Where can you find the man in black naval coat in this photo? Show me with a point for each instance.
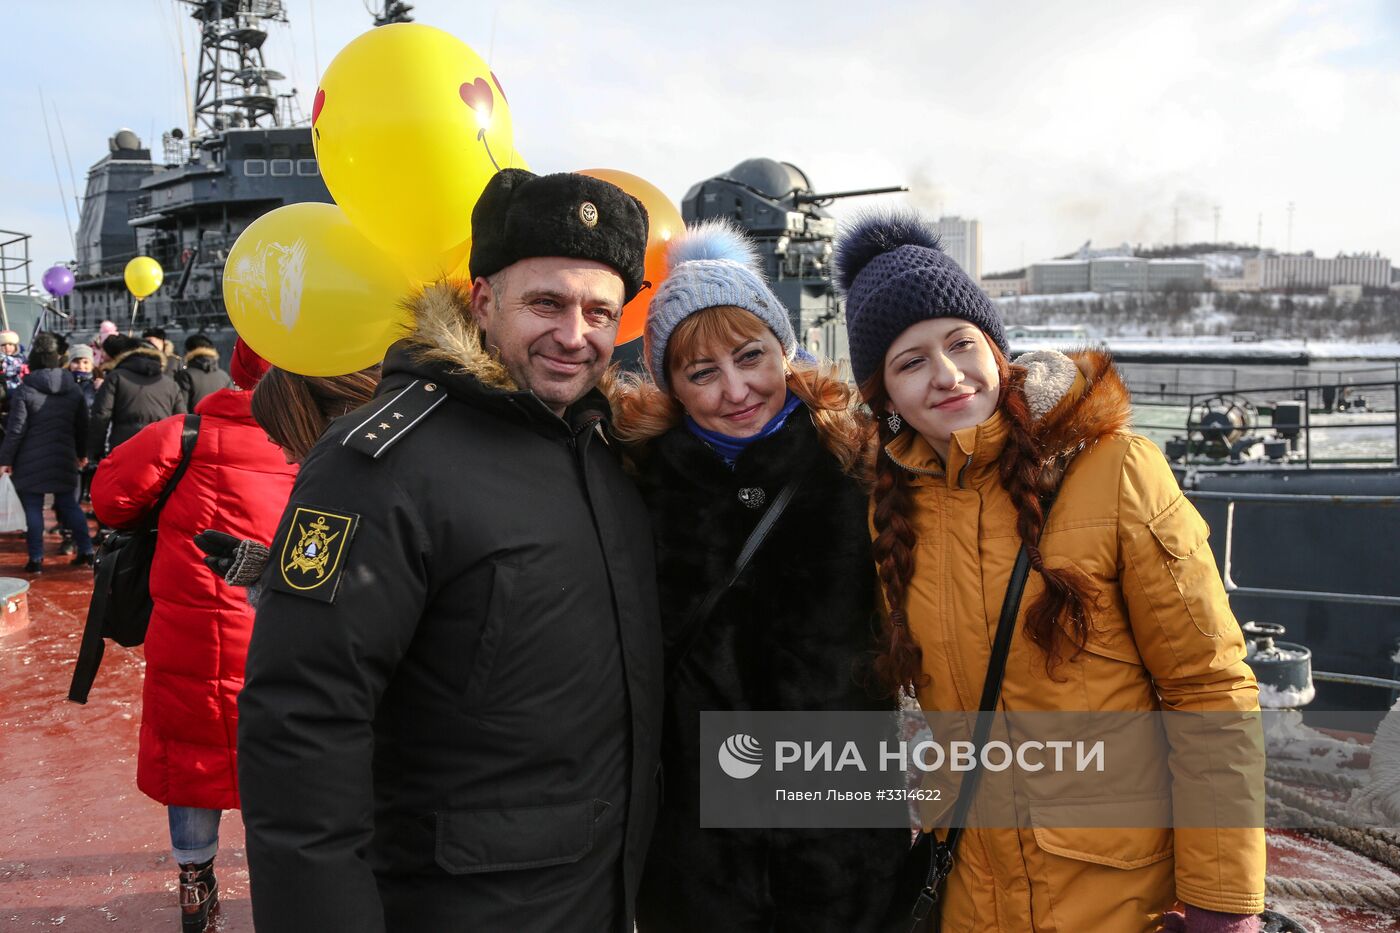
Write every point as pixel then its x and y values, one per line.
pixel 452 708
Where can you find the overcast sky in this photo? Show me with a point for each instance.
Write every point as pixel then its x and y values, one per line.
pixel 1052 123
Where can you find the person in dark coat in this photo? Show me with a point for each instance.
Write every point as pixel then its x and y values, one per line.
pixel 452 708
pixel 201 374
pixel 730 417
pixel 46 428
pixel 154 337
pixel 136 392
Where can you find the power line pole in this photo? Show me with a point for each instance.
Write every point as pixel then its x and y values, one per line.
pixel 1216 237
pixel 1290 226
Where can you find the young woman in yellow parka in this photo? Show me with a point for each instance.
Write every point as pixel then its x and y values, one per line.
pixel 1123 608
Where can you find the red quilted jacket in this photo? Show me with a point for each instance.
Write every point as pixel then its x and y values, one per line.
pixel 237 482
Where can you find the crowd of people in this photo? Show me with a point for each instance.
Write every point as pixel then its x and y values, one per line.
pixel 463 611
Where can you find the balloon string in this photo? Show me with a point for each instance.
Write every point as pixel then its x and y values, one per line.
pixel 481 135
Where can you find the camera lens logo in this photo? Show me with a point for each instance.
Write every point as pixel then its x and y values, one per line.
pixel 740 756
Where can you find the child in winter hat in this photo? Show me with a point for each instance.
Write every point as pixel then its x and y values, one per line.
pixel 12 363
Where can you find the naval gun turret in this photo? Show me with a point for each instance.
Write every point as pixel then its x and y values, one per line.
pixel 786 218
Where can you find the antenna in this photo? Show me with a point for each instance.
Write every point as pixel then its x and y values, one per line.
pixel 234 83
pixel 53 157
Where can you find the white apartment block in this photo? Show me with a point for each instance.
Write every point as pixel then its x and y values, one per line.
pixel 962 240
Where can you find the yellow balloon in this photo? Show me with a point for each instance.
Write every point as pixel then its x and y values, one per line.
pixel 409 124
pixel 311 295
pixel 143 276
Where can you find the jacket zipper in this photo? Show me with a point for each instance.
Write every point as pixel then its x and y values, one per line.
pixel 905 466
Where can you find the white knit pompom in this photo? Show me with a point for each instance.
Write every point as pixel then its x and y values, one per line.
pixel 718 238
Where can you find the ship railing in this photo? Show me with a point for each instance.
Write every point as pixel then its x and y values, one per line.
pixel 1322 399
pixel 1234 588
pixel 15 264
pixel 1168 386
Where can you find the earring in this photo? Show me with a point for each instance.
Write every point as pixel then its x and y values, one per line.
pixel 895 422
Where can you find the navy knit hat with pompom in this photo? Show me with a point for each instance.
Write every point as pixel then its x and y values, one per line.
pixel 711 265
pixel 895 274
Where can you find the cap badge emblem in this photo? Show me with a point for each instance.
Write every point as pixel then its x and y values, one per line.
pixel 588 213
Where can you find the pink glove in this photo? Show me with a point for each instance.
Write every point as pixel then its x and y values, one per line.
pixel 1200 920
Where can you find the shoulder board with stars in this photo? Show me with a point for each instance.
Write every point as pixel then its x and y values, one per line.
pixel 394 417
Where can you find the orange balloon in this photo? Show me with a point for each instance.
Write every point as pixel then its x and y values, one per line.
pixel 664 222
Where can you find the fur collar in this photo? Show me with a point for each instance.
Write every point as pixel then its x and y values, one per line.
pixel 201 353
pixel 151 352
pixel 1077 400
pixel 443 331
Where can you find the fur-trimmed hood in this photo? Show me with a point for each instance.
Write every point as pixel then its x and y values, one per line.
pixel 142 359
pixel 1075 401
pixel 206 357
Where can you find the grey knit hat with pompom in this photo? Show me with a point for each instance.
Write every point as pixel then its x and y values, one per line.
pixel 895 274
pixel 711 265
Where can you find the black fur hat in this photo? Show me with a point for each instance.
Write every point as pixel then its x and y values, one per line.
pixel 521 215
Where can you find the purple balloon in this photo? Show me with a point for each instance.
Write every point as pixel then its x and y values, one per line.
pixel 58 281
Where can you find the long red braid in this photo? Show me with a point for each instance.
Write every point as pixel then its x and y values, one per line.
pixel 1026 474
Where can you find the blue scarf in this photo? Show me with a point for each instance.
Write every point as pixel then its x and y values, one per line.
pixel 729 448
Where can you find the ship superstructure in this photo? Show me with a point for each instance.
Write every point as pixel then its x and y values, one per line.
pixel 245 151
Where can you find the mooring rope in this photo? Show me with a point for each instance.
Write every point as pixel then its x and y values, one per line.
pixel 1313 776
pixel 1304 813
pixel 1347 893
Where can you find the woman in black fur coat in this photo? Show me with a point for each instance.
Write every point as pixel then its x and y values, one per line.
pixel 732 415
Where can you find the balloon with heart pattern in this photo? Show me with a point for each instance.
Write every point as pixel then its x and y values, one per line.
pixel 409 124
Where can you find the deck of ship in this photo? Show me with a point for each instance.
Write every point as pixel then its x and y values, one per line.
pixel 81 848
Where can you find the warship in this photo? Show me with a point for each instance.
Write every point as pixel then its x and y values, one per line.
pixel 247 151
pixel 1302 524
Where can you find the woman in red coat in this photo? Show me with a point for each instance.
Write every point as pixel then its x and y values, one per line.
pixel 198 637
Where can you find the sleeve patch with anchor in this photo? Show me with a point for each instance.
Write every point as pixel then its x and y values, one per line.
pixel 312 553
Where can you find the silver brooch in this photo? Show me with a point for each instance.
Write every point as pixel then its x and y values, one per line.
pixel 753 497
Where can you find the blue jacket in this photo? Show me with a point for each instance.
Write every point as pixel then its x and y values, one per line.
pixel 47 427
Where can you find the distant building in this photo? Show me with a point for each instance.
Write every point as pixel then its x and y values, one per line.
pixel 1170 274
pixel 1119 274
pixel 1038 334
pixel 1114 274
pixel 1307 271
pixel 1004 285
pixel 1345 294
pixel 962 240
pixel 1057 276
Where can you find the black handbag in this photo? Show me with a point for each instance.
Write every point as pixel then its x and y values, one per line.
pixel 937 857
pixel 120 609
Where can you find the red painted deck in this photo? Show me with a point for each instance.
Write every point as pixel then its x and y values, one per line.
pixel 82 849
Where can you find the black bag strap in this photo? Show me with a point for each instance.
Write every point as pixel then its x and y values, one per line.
pixel 188 435
pixel 696 620
pixel 92 647
pixel 941 853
